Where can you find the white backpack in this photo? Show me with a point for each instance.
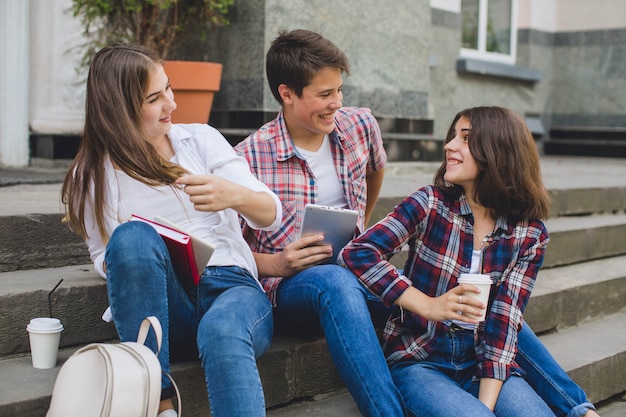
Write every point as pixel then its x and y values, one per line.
pixel 111 380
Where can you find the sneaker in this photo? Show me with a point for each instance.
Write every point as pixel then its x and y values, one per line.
pixel 168 413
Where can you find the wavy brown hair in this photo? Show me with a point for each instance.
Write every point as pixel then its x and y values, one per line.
pixel 509 180
pixel 117 84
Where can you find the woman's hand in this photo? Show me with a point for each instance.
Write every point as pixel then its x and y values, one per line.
pixel 212 193
pixel 451 305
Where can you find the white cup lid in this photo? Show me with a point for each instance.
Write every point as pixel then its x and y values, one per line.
pixel 474 279
pixel 44 325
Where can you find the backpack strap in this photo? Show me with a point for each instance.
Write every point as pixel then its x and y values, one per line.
pixel 158 331
pixel 179 402
pixel 145 327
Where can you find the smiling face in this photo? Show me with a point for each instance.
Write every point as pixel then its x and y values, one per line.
pixel 461 167
pixel 313 114
pixel 158 105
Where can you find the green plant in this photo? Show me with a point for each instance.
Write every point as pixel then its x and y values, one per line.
pixel 158 24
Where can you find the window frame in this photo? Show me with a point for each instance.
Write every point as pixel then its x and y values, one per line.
pixel 481 53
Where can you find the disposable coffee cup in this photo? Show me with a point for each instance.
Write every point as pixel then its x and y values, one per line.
pixel 44 335
pixel 483 282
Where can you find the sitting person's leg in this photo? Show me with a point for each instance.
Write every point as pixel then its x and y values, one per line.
pixel 142 283
pixel 378 311
pixel 330 299
pixel 518 399
pixel 235 330
pixel 428 391
pixel 547 378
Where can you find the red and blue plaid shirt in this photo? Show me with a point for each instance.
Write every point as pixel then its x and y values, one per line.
pixel 357 148
pixel 439 234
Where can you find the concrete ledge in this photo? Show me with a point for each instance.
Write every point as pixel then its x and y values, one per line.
pixel 25 391
pixel 38 241
pixel 563 297
pixel 579 239
pixel 410 147
pixel 30 241
pixel 593 355
pixel 565 202
pixel 496 69
pixel 81 299
pixel 587 201
pixel 567 296
pixel 78 302
pixel 288 371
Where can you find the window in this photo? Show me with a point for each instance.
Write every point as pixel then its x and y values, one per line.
pixel 489 30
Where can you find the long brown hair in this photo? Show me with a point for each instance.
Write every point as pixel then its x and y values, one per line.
pixel 117 84
pixel 509 181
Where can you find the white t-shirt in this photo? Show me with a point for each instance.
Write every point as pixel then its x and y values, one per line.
pixel 329 190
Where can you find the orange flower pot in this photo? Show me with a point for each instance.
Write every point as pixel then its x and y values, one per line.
pixel 194 85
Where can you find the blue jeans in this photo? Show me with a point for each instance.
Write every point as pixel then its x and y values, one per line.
pixel 227 315
pixel 330 299
pixel 444 384
pixel 547 377
pixel 543 373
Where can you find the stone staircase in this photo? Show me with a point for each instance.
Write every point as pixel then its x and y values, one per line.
pixel 586 140
pixel 578 307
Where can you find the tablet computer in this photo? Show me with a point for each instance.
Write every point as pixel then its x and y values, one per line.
pixel 338 225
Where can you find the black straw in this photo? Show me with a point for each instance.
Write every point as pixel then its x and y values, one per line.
pixel 50 297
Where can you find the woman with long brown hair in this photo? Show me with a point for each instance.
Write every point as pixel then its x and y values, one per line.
pixel 134 161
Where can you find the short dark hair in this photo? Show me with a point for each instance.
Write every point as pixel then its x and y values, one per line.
pixel 295 58
pixel 509 180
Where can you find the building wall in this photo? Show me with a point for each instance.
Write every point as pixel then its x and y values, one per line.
pixel 451 90
pixel 589 88
pixel 403 56
pixel 387 43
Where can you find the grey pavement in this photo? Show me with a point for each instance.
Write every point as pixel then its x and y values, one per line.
pixel 37 190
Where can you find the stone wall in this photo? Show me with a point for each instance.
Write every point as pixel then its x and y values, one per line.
pixel 387 44
pixel 590 86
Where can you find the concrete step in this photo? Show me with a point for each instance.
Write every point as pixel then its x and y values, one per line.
pixel 412 147
pixel 563 297
pixel 289 370
pixel 581 284
pixel 574 239
pixel 565 202
pixel 583 238
pixel 335 404
pixel 569 295
pixel 38 241
pixel 593 353
pixel 586 147
pixel 31 239
pixel 79 302
pixel 341 404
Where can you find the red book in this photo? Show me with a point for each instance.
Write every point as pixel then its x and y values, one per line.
pixel 180 247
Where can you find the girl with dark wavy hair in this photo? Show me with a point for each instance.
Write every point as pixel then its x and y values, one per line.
pixel 482 215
